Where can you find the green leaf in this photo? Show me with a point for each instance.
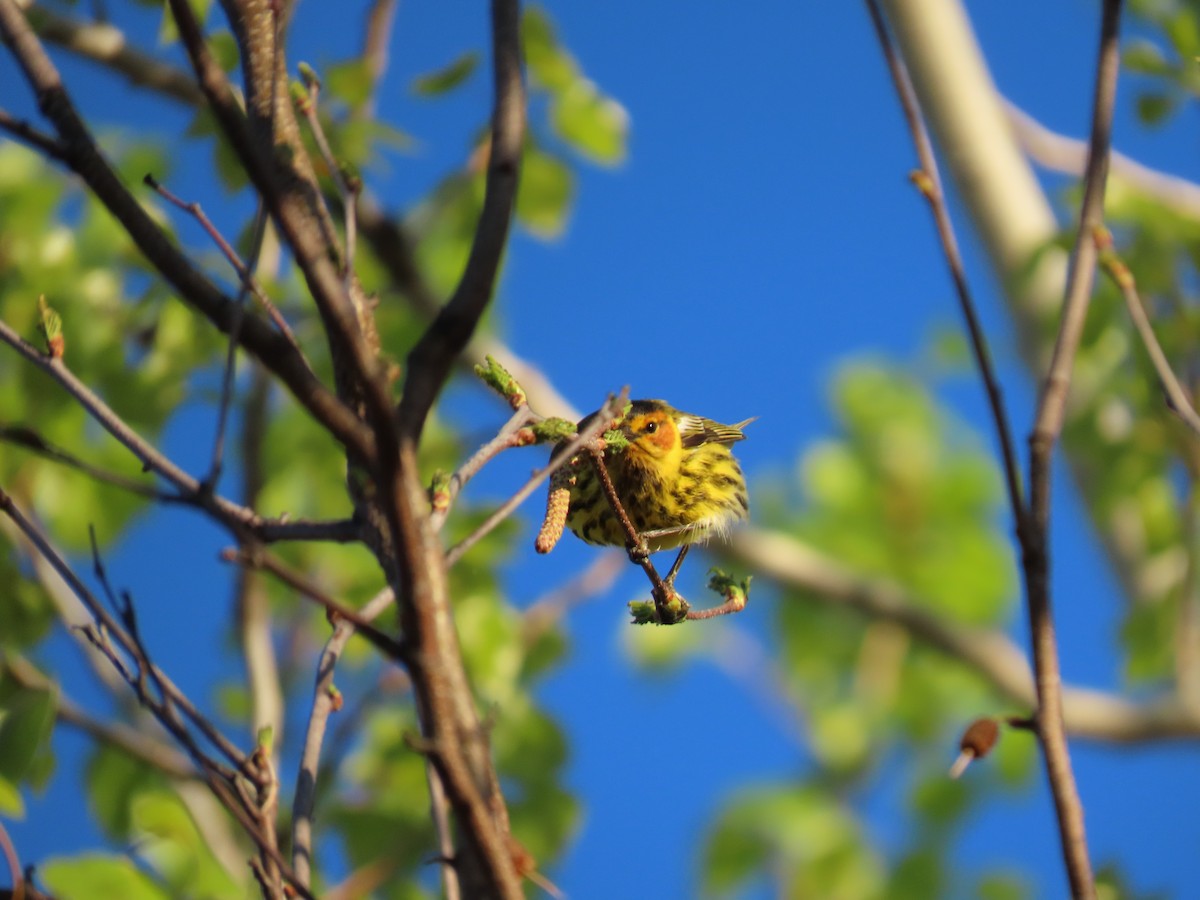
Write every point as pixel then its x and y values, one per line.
pixel 813 845
pixel 1184 32
pixel 12 805
pixel 1144 57
pixel 1003 886
pixel 167 838
pixel 114 781
pixel 1153 107
pixel 350 81
pixel 544 197
pixel 224 50
pixel 448 77
pixel 97 877
pixel 26 722
pixel 594 125
pixel 549 66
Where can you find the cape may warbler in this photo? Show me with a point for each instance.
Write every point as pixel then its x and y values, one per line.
pixel 675 477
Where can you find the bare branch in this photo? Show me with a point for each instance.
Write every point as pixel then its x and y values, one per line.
pixel 990 654
pixel 20 436
pixel 1064 154
pixel 430 360
pixel 104 44
pixel 157 693
pixel 21 129
pixel 1180 399
pixel 245 270
pixel 931 187
pixel 1046 429
pixel 325 701
pixel 377 36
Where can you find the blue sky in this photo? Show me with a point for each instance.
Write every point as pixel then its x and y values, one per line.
pixel 766 186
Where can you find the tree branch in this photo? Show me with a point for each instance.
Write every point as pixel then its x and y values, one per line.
pixel 85 160
pixel 430 360
pixel 989 654
pixel 1047 427
pixel 239 519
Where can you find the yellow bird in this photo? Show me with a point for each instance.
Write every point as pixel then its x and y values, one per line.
pixel 676 478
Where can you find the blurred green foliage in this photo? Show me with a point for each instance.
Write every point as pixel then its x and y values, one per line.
pixel 900 491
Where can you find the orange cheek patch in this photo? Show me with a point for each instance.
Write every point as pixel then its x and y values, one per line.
pixel 664 438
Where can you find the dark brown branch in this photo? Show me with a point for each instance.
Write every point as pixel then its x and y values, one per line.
pixel 1047 427
pixel 285 180
pixel 431 359
pixel 153 688
pixel 41 141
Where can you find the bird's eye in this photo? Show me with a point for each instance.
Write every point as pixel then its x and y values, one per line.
pixel 651 427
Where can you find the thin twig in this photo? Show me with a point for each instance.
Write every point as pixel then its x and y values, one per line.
pixel 1180 400
pixel 225 401
pixel 131 641
pixel 346 190
pixel 14 863
pixel 1047 427
pixel 21 436
pixel 169 700
pixel 22 130
pixel 323 704
pixel 235 517
pixel 606 414
pixel 661 591
pixel 931 187
pixel 260 559
pixel 508 437
pixel 245 270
